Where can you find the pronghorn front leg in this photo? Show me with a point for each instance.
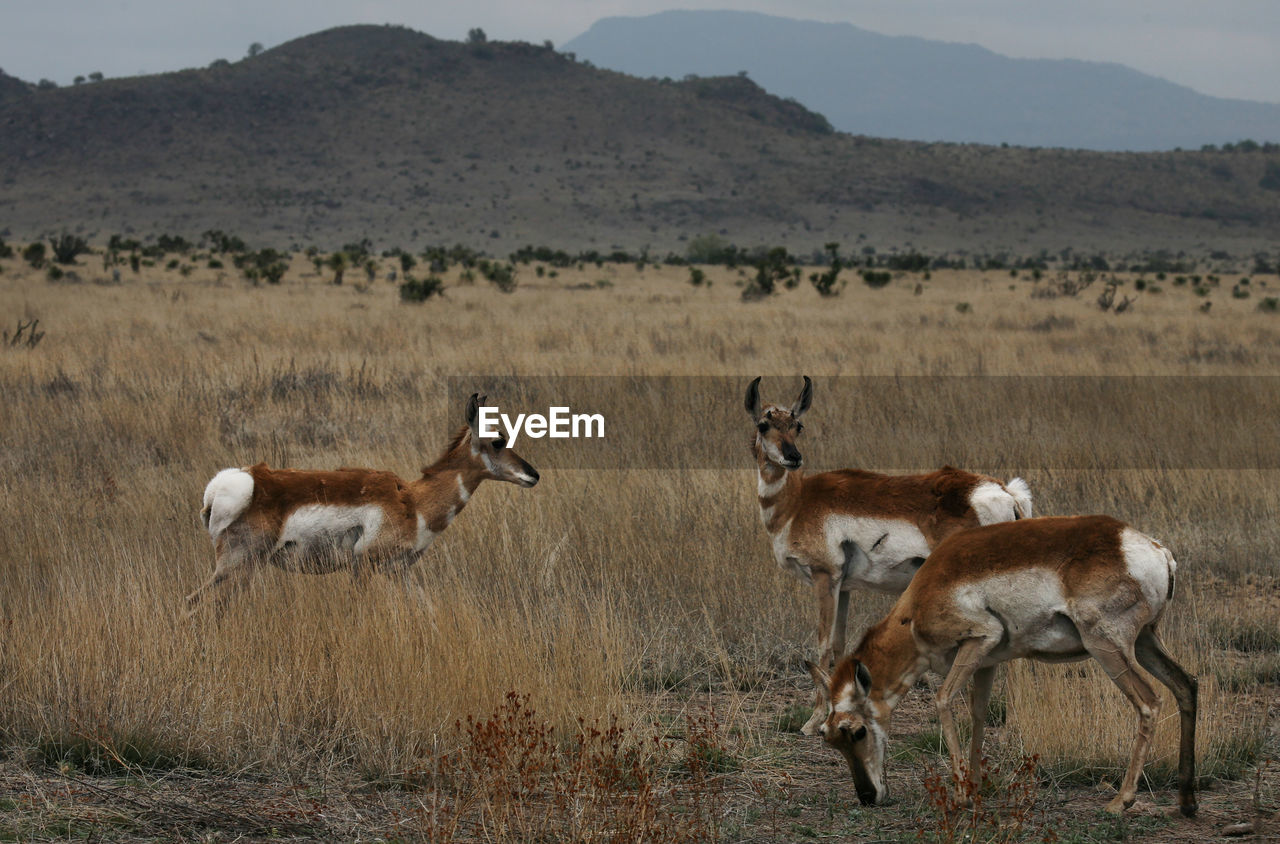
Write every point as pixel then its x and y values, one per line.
pixel 824 589
pixel 401 568
pixel 967 663
pixel 842 621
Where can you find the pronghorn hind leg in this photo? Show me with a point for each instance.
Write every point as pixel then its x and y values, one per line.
pixel 1121 664
pixel 823 590
pixel 979 701
pixel 967 663
pixel 230 575
pixel 1153 657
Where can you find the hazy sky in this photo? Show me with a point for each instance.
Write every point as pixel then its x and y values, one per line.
pixel 1228 48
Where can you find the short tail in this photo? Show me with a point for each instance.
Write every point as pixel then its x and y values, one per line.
pixel 225 498
pixel 1021 493
pixel 1173 570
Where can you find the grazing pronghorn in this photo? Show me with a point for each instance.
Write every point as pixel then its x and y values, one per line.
pixel 357 519
pixel 850 528
pixel 1052 589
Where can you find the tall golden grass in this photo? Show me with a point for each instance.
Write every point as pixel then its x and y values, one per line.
pixel 596 593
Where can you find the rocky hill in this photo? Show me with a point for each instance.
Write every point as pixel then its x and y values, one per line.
pixel 386 133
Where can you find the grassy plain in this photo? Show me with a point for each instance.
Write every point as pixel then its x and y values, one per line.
pixel 313 708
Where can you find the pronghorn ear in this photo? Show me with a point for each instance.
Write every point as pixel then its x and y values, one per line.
pixel 473 409
pixel 804 400
pixel 822 680
pixel 863 678
pixel 753 399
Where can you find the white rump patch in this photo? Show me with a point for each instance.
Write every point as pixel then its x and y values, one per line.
pixel 1150 564
pixel 992 502
pixel 317 527
pixel 1021 493
pixel 225 498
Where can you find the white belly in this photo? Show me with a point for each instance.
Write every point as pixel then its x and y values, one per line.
pixel 881 554
pixel 324 537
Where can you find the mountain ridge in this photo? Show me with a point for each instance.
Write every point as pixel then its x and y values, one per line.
pixel 921 89
pixel 387 133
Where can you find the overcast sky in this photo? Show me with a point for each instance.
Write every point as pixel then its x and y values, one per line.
pixel 1228 48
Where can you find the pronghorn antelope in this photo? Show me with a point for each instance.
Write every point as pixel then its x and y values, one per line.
pixel 1052 589
pixel 850 528
pixel 358 519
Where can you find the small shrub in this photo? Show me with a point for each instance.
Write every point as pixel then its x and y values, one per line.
pixel 1270 304
pixel 501 276
pixel 697 277
pixel 964 308
pixel 34 255
pixel 415 290
pixel 876 279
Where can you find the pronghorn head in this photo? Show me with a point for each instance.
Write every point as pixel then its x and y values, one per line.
pixel 777 427
pixel 853 728
pixel 499 462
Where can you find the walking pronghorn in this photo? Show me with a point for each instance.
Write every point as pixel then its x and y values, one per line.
pixel 1052 589
pixel 850 528
pixel 356 519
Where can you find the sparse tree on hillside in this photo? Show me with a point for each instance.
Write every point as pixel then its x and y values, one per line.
pixel 476 36
pixel 338 263
pixel 255 48
pixel 96 76
pixel 79 80
pixel 67 246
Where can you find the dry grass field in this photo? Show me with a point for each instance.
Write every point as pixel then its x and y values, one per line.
pixel 653 647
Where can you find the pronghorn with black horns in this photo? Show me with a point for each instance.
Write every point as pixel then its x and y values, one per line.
pixel 355 519
pixel 1056 590
pixel 852 529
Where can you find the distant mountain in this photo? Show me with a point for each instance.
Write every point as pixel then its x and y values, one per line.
pixel 913 88
pixel 387 133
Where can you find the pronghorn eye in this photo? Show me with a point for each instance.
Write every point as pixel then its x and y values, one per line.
pixel 799 427
pixel 763 427
pixel 860 733
pixel 499 444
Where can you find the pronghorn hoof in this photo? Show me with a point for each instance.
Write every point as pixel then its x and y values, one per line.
pixel 1118 805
